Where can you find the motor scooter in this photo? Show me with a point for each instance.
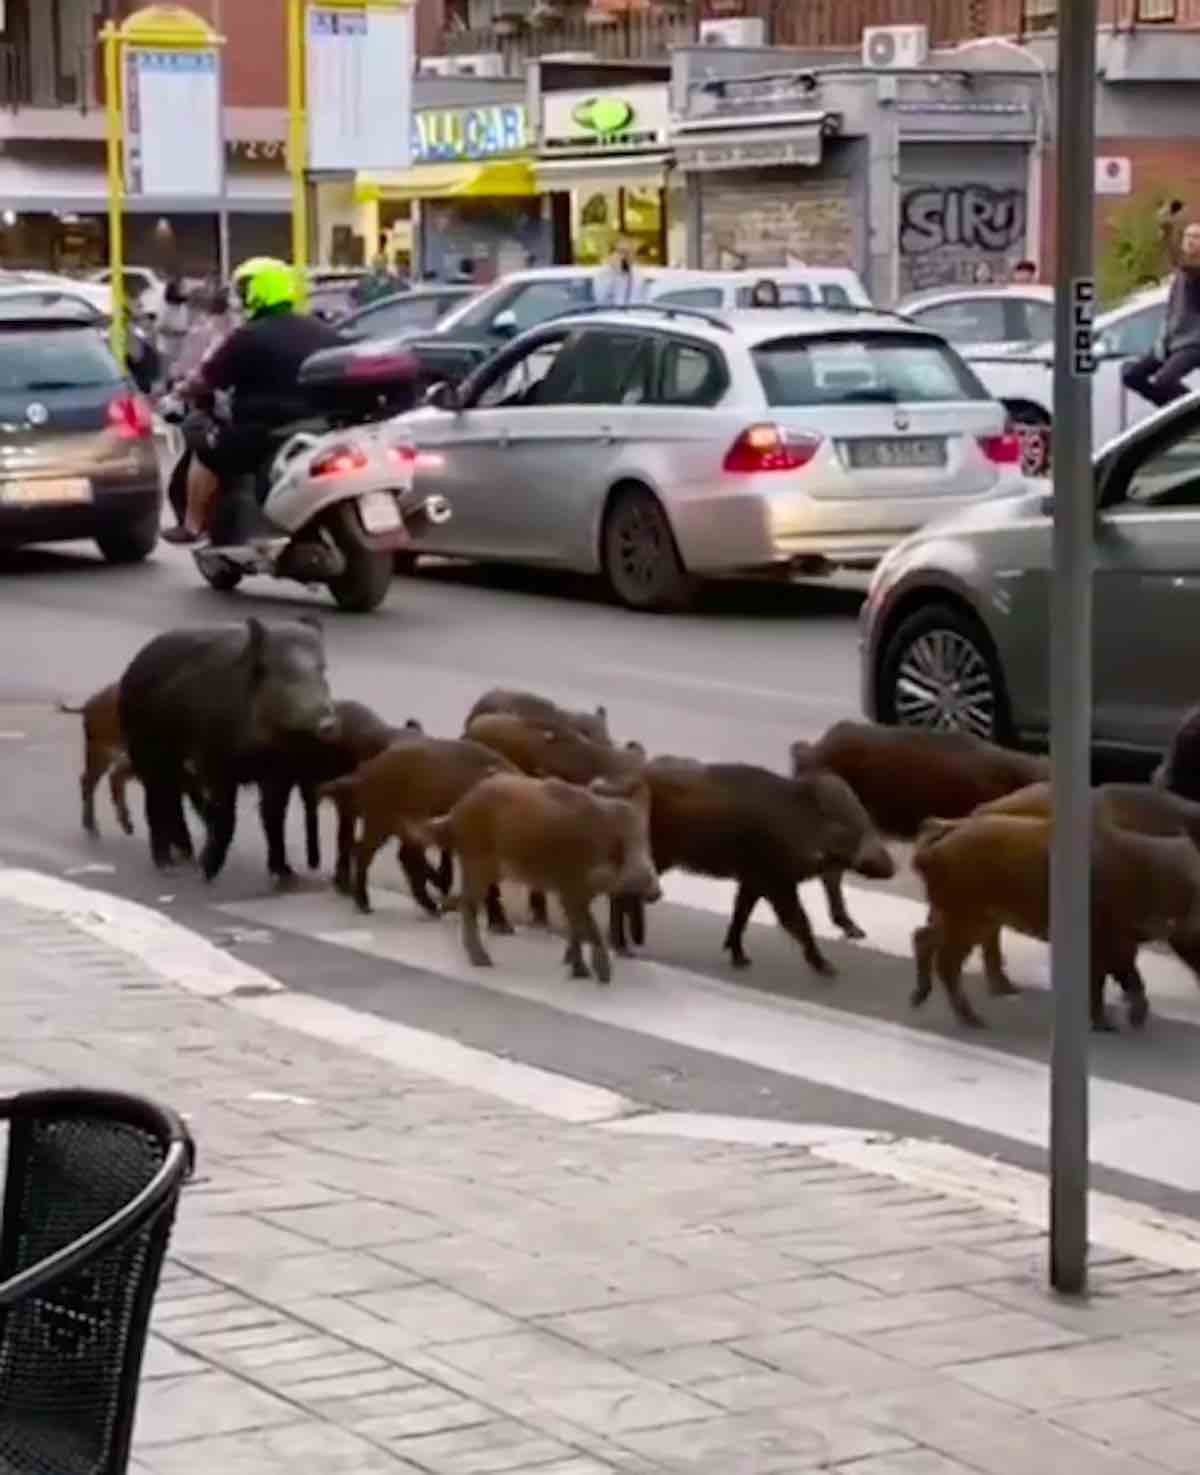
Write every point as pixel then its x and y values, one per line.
pixel 334 498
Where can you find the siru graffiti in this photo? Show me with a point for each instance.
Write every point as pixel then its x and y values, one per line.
pixel 959 233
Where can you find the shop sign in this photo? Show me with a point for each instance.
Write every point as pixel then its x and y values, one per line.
pixel 617 120
pixel 442 135
pixel 258 150
pixel 750 152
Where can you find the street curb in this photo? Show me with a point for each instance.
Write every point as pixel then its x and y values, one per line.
pixel 197 966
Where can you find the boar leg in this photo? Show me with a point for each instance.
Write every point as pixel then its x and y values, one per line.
pixel 637 920
pixel 1137 1005
pixel 925 945
pixel 497 917
pixel 375 834
pixel 794 920
pixel 222 821
pixel 618 911
pixel 743 906
pixel 95 764
pixel 952 953
pixel 164 815
pixel 118 784
pixel 412 862
pixel 1000 985
pixel 831 880
pixel 443 876
pixel 601 957
pixel 539 915
pixel 573 957
pixel 1101 1019
pixel 347 818
pixel 273 797
pixel 312 826
pixel 476 883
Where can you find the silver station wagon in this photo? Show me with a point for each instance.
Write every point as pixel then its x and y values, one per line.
pixel 955 629
pixel 662 446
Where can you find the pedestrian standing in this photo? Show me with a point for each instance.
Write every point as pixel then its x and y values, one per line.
pixel 174 322
pixel 618 284
pixel 1024 274
pixel 765 293
pixel 1158 376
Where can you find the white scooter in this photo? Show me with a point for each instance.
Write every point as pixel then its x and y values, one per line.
pixel 336 502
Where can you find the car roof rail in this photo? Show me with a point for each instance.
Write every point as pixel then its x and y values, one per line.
pixel 830 307
pixel 667 309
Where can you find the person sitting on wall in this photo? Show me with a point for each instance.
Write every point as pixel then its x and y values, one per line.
pixel 1158 376
pixel 765 293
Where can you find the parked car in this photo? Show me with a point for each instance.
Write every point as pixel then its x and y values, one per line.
pixel 99 295
pixel 470 334
pixel 662 445
pixel 985 319
pixel 416 311
pixel 1023 378
pixel 145 289
pixel 77 457
pixel 799 286
pixel 955 627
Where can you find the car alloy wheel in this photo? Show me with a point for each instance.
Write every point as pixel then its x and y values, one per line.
pixel 944 680
pixel 640 558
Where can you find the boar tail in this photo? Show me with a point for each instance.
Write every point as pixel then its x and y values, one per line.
pixel 66 707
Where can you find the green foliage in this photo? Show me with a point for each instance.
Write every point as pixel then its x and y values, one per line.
pixel 1132 250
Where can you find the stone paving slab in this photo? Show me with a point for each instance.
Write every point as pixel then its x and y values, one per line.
pixel 375 1273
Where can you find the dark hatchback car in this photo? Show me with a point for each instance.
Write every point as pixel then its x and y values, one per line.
pixel 417 311
pixel 77 457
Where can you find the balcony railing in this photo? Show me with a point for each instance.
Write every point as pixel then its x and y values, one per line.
pixel 531 28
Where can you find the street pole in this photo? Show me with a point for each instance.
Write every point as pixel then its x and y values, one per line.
pixel 115 162
pixel 297 17
pixel 224 264
pixel 1071 646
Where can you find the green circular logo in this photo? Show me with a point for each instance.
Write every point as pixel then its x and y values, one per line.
pixel 603 115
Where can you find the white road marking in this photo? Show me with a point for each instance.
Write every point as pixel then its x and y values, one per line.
pixel 729 688
pixel 1136 1131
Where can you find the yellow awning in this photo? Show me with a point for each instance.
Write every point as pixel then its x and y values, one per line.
pixel 513 177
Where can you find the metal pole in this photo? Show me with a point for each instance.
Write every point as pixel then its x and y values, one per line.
pixel 298 144
pixel 1071 646
pixel 115 115
pixel 224 265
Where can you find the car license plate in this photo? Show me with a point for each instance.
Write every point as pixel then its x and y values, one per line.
pixel 55 491
pixel 883 453
pixel 379 512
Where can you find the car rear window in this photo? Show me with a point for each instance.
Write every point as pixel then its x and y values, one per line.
pixel 42 360
pixel 875 368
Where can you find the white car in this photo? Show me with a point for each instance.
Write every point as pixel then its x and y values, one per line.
pixel 1023 378
pixel 95 293
pixel 985 319
pixel 725 291
pixel 661 445
pixel 145 290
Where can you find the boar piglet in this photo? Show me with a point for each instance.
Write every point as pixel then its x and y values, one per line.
pixel 766 832
pixel 906 775
pixel 990 871
pixel 104 753
pixel 305 763
pixel 533 708
pixel 219 700
pixel 415 779
pixel 1179 772
pixel 557 838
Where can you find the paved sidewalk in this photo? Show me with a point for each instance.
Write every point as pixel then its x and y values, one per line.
pixel 375 1272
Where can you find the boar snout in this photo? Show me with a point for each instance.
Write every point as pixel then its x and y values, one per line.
pixel 874 861
pixel 328 726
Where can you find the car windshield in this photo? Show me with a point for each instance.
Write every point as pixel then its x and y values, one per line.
pixel 530 302
pixel 39 361
pixel 876 368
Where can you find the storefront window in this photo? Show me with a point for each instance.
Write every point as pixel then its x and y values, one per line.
pixel 602 216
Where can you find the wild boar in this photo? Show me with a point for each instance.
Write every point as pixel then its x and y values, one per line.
pixel 1179 772
pixel 766 832
pixel 536 709
pixel 417 779
pixel 558 838
pixel 990 871
pixel 221 701
pixel 906 775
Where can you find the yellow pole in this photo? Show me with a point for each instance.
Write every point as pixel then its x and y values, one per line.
pixel 298 146
pixel 114 107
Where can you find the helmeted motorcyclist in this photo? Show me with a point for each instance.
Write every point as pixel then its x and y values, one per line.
pixel 258 367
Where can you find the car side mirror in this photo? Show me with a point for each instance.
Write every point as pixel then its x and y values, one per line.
pixel 1105 346
pixel 443 396
pixel 505 323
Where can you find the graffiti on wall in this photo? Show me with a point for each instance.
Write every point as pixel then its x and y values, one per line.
pixel 957 233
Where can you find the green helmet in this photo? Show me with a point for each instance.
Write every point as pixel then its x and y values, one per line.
pixel 265 284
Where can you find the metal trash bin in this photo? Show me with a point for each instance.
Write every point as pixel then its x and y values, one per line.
pixel 91 1189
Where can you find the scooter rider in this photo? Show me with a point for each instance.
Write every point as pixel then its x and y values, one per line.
pixel 258 367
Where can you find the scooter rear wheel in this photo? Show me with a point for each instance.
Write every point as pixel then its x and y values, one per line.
pixel 368 577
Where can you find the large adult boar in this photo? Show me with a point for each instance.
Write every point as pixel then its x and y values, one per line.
pixel 574 843
pixel 906 775
pixel 219 701
pixel 414 780
pixel 533 708
pixel 766 832
pixel 1179 772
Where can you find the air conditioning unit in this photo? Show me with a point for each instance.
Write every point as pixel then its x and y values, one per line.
pixel 895 48
pixel 482 64
pixel 744 30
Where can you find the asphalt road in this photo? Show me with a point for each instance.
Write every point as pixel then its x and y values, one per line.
pixel 751 670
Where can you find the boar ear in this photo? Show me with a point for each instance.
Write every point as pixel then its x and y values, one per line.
pixel 257 642
pixel 412 725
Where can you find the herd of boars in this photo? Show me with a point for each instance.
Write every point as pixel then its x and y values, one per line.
pixel 538 795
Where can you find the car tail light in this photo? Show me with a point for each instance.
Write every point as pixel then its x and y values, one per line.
pixel 338 461
pixel 770 448
pixel 1002 450
pixel 130 417
pixel 405 456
